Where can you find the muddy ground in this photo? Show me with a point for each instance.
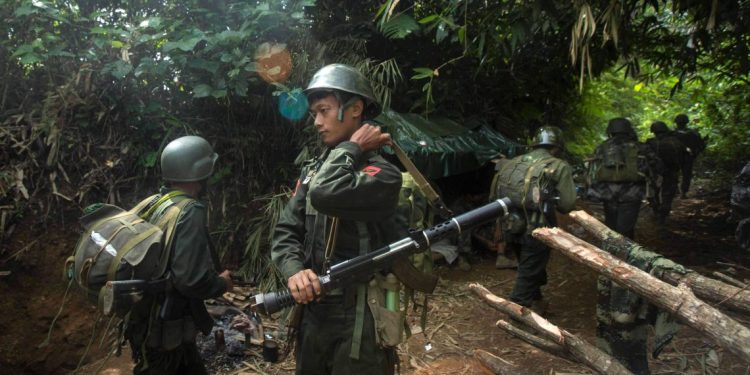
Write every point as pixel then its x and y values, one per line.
pixel 697 236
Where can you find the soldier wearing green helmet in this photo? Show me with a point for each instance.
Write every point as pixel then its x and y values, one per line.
pixel 344 205
pixel 164 342
pixel 538 183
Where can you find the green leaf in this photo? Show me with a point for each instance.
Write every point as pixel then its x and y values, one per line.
pixel 399 27
pixel 428 19
pixel 462 34
pixel 638 86
pixel 117 44
pixel 118 69
pixel 219 93
pixel 153 22
pixel 422 73
pixel 201 91
pixel 31 58
pixel 148 160
pixel 186 44
pixel 441 32
pixel 25 10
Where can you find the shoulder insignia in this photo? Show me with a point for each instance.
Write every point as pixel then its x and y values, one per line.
pixel 371 170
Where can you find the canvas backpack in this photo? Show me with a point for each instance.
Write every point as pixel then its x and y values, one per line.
pixel 670 150
pixel 616 162
pixel 120 244
pixel 523 180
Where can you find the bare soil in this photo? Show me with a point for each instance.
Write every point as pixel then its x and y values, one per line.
pixel 697 236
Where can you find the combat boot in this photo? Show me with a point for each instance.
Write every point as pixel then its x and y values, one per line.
pixel 503 262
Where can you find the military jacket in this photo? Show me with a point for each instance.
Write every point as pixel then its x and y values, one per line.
pixel 669 149
pixel 360 189
pixel 692 139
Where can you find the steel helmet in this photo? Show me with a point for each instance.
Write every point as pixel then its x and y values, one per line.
pixel 681 120
pixel 620 125
pixel 658 127
pixel 548 136
pixel 343 78
pixel 189 158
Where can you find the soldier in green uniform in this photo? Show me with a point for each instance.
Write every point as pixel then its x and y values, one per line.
pixel 549 181
pixel 162 330
pixel 344 205
pixel 618 173
pixel 672 152
pixel 695 144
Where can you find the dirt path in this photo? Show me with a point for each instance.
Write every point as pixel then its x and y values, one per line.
pixel 697 236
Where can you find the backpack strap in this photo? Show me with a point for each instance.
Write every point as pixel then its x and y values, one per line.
pixel 529 173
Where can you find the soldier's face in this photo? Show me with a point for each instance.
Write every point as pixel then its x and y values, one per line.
pixel 324 112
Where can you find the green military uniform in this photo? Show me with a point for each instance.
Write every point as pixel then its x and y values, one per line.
pixel 337 333
pixel 168 346
pixel 622 200
pixel 692 139
pixel 531 253
pixel 672 154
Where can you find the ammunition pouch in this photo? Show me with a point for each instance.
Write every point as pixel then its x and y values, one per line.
pixel 389 325
pixel 514 223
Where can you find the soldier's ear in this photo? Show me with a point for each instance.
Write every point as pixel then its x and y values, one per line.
pixel 357 108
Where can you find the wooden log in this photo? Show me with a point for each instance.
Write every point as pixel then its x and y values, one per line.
pixel 579 349
pixel 496 364
pixel 704 287
pixel 539 342
pixel 679 301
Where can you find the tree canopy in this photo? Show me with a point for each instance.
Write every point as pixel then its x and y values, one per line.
pixel 92 90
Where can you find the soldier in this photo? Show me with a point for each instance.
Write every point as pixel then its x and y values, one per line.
pixel 535 182
pixel 344 205
pixel 618 173
pixel 163 342
pixel 695 144
pixel 672 153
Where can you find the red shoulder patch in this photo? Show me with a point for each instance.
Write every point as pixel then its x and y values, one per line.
pixel 371 170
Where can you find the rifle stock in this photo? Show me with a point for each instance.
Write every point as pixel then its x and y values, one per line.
pixel 361 268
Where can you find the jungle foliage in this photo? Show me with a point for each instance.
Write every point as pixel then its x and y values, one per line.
pixel 92 90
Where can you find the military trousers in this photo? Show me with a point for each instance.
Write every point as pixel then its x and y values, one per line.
pixel 531 275
pixel 325 338
pixel 668 191
pixel 687 175
pixel 622 217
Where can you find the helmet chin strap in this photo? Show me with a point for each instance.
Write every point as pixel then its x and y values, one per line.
pixel 344 106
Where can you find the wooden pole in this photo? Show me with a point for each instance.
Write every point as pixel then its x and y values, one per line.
pixel 679 301
pixel 496 364
pixel 578 349
pixel 708 289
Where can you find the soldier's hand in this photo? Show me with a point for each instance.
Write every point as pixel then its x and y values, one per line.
pixel 370 137
pixel 305 286
pixel 227 276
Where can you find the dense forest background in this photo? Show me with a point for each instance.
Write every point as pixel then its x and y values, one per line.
pixel 91 91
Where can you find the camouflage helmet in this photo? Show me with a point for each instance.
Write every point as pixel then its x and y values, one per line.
pixel 344 78
pixel 658 127
pixel 620 125
pixel 681 119
pixel 548 136
pixel 189 158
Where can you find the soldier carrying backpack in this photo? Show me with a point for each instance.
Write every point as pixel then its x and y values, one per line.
pixel 538 183
pixel 153 265
pixel 695 144
pixel 618 173
pixel 672 153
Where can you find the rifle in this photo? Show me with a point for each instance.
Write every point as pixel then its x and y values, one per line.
pixel 117 293
pixel 360 269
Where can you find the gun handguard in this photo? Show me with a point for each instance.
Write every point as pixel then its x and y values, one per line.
pixel 362 267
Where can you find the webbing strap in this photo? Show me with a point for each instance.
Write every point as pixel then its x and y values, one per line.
pixel 359 320
pixel 527 180
pixel 126 248
pixel 170 220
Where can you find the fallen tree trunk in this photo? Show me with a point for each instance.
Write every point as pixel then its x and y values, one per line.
pixel 680 301
pixel 706 288
pixel 539 342
pixel 578 349
pixel 496 364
